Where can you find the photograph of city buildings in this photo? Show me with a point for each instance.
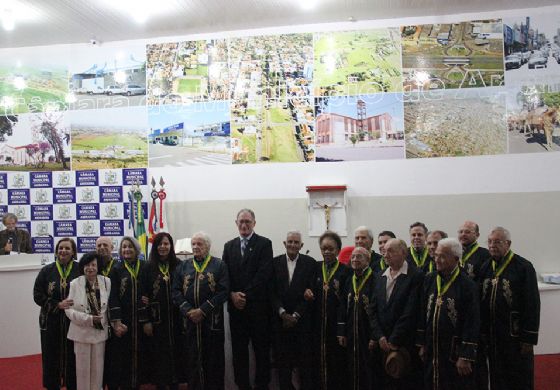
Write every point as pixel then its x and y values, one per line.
pixel 197 134
pixel 357 62
pixel 353 128
pixel 458 55
pixel 532 48
pixel 272 118
pixel 451 123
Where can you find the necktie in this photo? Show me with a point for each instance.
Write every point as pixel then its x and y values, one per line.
pixel 243 246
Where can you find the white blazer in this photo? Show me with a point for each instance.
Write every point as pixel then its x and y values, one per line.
pixel 81 321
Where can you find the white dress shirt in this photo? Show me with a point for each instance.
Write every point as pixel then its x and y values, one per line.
pixel 391 280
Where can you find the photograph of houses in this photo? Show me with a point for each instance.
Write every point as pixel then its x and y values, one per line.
pixel 357 62
pixel 272 116
pixel 35 142
pixel 449 123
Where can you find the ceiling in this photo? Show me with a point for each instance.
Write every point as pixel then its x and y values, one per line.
pixel 45 22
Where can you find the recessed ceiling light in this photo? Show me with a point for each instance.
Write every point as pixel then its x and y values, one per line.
pixel 8 20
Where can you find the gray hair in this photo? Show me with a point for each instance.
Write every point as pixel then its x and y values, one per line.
pixel 401 244
pixel 204 237
pixel 294 232
pixel 454 246
pixel 364 229
pixel 9 216
pixel 134 243
pixel 503 230
pixel 246 211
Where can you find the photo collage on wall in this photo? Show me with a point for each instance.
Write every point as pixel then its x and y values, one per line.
pixel 478 87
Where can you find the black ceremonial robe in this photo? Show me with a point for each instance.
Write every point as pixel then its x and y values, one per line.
pixel 449 330
pixel 126 305
pixel 204 342
pixel 426 266
pixel 57 352
pixel 164 348
pixel 472 263
pixel 330 368
pixel 510 315
pixel 355 322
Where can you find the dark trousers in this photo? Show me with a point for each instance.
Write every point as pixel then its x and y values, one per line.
pixel 250 325
pixel 292 350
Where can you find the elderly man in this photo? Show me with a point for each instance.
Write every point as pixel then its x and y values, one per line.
pixel 510 314
pixel 200 288
pixel 382 239
pixel 354 319
pixel 418 255
pixel 363 236
pixel 293 273
pixel 473 254
pixel 394 306
pixel 449 322
pixel 104 247
pixel 13 239
pixel 431 242
pixel 249 262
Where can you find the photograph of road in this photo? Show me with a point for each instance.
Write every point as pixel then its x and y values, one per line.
pixel 352 128
pixel 451 123
pixel 111 75
pixel 109 138
pixel 357 62
pixel 197 134
pixel 533 118
pixel 186 72
pixel 33 80
pixel 272 116
pixel 35 142
pixel 459 55
pixel 532 49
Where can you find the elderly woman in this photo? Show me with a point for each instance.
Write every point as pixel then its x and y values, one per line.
pixel 200 288
pixel 164 326
pixel 88 321
pixel 13 239
pixel 126 313
pixel 327 294
pixel 51 293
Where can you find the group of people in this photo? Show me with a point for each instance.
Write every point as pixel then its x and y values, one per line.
pixel 443 313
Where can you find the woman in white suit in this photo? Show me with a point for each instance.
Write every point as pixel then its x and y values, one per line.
pixel 88 321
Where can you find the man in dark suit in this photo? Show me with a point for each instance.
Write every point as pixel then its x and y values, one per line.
pixel 249 262
pixel 419 255
pixel 13 239
pixel 291 320
pixel 395 307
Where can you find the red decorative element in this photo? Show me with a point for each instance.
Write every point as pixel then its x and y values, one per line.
pixel 325 188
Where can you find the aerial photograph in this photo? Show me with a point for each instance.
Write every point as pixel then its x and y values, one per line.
pixel 458 55
pixel 449 124
pixel 109 138
pixel 357 62
pixel 33 80
pixel 186 72
pixel 272 114
pixel 367 127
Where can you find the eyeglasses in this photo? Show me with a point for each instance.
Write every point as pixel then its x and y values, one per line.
pixel 497 242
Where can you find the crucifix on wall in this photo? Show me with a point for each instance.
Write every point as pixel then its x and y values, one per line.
pixel 327 209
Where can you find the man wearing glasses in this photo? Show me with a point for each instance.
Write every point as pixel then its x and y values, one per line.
pixel 510 310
